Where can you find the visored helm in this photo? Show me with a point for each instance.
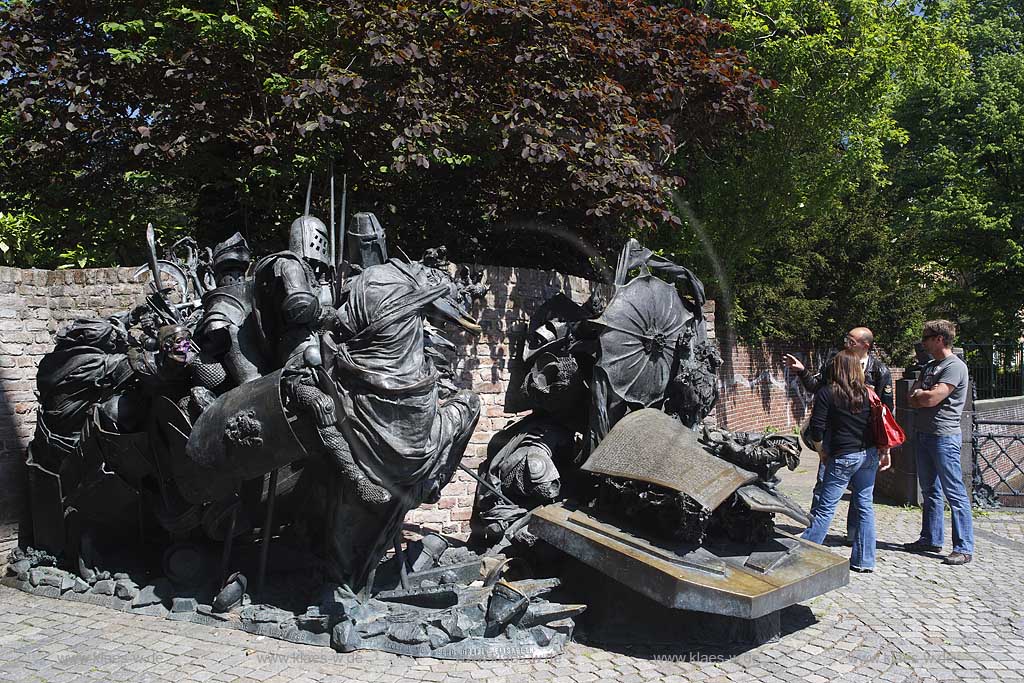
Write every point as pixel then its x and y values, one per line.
pixel 231 259
pixel 365 242
pixel 309 239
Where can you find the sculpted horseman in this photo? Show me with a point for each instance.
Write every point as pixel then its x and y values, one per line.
pixel 355 396
pixel 330 382
pixel 388 438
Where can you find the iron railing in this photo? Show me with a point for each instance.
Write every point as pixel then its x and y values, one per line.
pixel 998 458
pixel 997 368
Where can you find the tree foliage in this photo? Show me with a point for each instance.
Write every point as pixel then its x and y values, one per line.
pixel 959 181
pixel 465 122
pixel 879 183
pixel 797 221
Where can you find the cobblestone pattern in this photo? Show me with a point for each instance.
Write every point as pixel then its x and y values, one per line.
pixel 914 620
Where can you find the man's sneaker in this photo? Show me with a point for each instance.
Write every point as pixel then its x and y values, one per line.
pixel 957 558
pixel 920 546
pixel 862 570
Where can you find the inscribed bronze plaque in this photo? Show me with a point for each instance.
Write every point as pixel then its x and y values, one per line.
pixel 648 445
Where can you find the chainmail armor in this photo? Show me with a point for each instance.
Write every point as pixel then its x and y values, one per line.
pixel 209 375
pixel 338 448
pixel 310 399
pixel 515 481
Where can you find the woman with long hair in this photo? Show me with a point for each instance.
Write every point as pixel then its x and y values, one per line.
pixel 843 412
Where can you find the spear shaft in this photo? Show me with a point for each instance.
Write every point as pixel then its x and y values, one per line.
pixel 334 252
pixel 341 222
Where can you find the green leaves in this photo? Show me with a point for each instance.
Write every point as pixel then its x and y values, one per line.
pixel 889 186
pixel 17 237
pixel 959 178
pixel 134 26
pixel 189 15
pixel 244 28
pixel 123 56
pixel 798 216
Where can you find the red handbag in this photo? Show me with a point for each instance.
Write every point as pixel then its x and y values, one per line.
pixel 888 433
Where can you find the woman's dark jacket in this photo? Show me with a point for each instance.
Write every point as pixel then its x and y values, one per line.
pixel 848 432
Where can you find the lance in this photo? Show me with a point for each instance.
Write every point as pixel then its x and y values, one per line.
pixel 341 221
pixel 268 530
pixel 487 485
pixel 334 253
pixel 154 269
pixel 309 194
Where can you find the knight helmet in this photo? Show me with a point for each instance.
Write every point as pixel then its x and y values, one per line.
pixel 365 242
pixel 309 239
pixel 231 255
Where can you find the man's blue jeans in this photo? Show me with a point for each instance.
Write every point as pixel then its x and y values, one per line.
pixel 856 471
pixel 938 471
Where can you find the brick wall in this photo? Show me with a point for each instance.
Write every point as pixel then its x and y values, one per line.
pixel 34 304
pixel 758 392
pixel 482 365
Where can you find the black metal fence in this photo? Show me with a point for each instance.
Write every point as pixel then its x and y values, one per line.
pixel 998 452
pixel 996 368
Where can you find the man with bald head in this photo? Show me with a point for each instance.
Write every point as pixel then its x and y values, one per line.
pixel 860 340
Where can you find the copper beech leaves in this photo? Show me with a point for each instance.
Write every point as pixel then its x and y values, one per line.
pixel 574 111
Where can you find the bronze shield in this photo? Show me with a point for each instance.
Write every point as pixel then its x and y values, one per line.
pixel 243 435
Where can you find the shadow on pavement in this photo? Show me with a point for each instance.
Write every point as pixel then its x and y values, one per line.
pixel 793 619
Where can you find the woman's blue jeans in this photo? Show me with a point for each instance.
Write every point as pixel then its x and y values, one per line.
pixel 851 515
pixel 856 471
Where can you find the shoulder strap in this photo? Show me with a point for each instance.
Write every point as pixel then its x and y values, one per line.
pixel 873 398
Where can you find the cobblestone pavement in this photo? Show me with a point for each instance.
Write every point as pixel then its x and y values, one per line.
pixel 913 620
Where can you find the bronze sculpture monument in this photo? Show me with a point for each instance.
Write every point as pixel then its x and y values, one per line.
pixel 242 450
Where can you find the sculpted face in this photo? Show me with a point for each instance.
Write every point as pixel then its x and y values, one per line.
pixel 175 344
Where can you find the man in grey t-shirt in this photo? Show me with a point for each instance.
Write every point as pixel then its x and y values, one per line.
pixel 943 418
pixel 939 397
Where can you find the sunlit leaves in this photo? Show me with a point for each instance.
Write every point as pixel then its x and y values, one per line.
pixel 800 217
pixel 960 177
